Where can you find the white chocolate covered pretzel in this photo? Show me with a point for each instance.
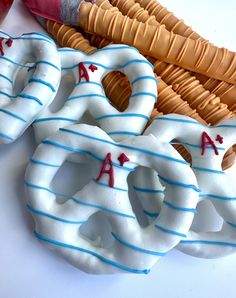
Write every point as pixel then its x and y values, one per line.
pixel 37 51
pixel 135 249
pixel 89 96
pixel 207 146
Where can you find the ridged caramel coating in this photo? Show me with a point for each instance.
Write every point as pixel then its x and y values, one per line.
pixel 105 4
pixel 67 36
pixel 207 104
pixel 128 7
pixel 160 43
pixel 134 11
pixel 226 91
pixel 167 18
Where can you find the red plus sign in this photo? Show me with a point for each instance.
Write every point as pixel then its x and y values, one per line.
pixel 93 67
pixel 122 159
pixel 219 139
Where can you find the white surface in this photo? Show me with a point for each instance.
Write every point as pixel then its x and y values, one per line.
pixel 28 270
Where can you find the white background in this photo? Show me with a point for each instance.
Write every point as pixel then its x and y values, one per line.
pixel 28 270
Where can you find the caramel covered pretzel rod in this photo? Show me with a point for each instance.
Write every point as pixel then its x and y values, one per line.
pixel 226 91
pixel 207 105
pixel 167 18
pixel 132 10
pixel 159 43
pixel 150 9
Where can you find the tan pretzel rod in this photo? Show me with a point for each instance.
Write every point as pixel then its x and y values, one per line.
pixel 167 18
pixel 134 11
pixel 207 104
pixel 67 36
pixel 226 91
pixel 159 43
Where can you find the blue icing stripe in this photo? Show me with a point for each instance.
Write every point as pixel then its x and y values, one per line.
pixel 27 96
pixel 86 96
pixel 76 200
pixel 212 196
pixel 3 135
pixel 196 146
pixel 192 210
pixel 147 190
pixel 39 81
pixel 144 94
pixel 123 115
pixel 151 214
pixel 231 224
pixel 44 62
pixel 208 170
pixel 48 39
pixel 144 78
pixel 226 126
pixel 208 242
pixel 44 163
pixel 55 119
pixel 103 208
pixel 100 50
pixel 115 67
pixel 28 33
pixel 13 62
pixel 40 34
pixel 179 120
pixel 6 94
pixel 163 229
pixel 134 247
pixel 33 38
pixel 12 115
pixel 6 78
pixel 100 257
pixel 113 187
pixel 179 184
pixel 129 133
pixel 126 146
pixel 48 142
pixel 51 216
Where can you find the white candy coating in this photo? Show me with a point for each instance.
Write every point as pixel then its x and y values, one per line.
pixel 216 185
pixel 135 249
pixel 90 96
pixel 17 111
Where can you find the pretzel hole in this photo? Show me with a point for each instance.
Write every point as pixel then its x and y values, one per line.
pixel 145 201
pixel 183 151
pixel 71 177
pixel 67 84
pixel 206 218
pixel 97 230
pixel 229 158
pixel 117 89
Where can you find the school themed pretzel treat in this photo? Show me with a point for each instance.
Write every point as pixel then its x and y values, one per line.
pixel 207 146
pixel 34 51
pixel 132 248
pixel 89 96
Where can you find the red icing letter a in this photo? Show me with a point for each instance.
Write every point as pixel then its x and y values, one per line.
pixel 109 171
pixel 206 140
pixel 83 72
